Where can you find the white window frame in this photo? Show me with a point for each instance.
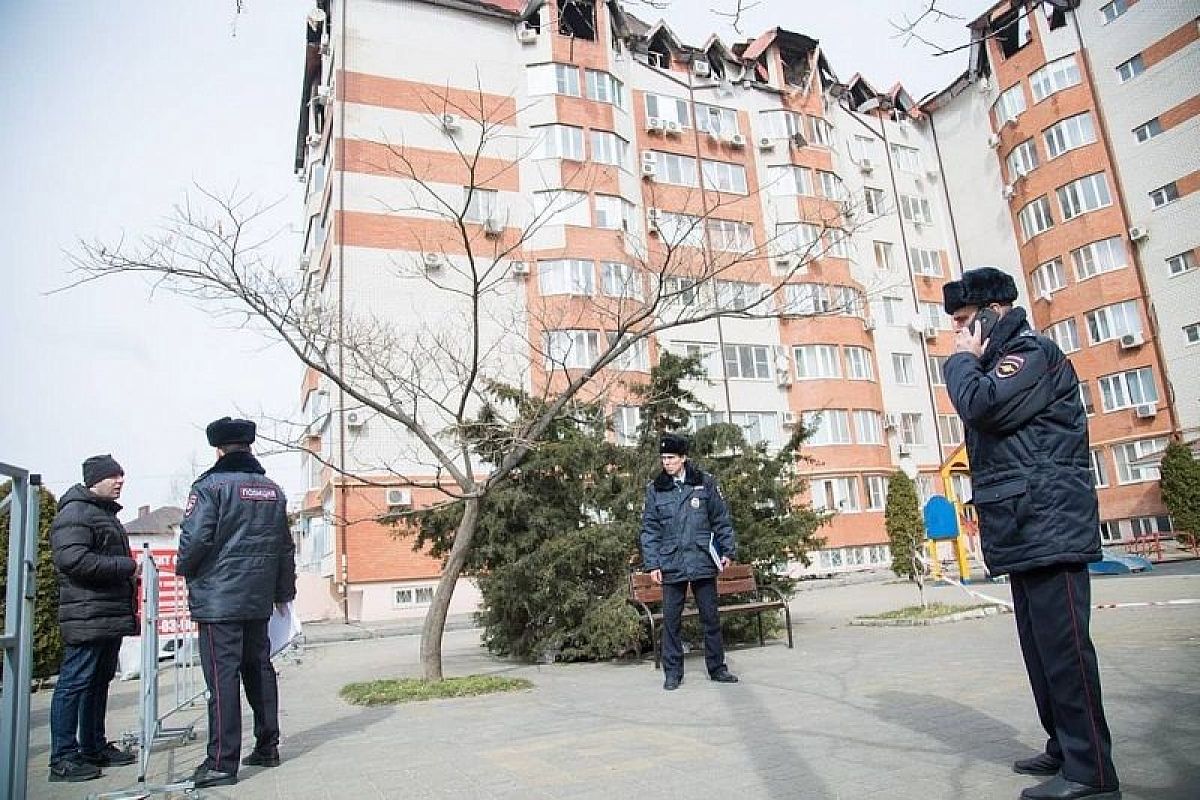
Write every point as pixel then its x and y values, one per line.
pixel 1069 134
pixel 832 186
pixel 1127 454
pixel 620 280
pixel 816 362
pixel 859 364
pixel 828 427
pixel 789 180
pixel 837 494
pixel 1148 130
pixel 609 148
pixel 1099 257
pixel 876 491
pixel 1112 10
pixel 912 428
pixel 1023 159
pixel 748 362
pixel 1009 105
pixel 1079 197
pixel 1065 334
pixel 716 119
pixel 604 88
pixel 874 201
pixel 1127 389
pixel 612 212
pixel 571 348
pixel 482 206
pixel 635 359
pixel 1181 263
pixel 1055 76
pixel 563 207
pixel 1048 278
pixel 1113 321
pixel 730 235
pixel 936 367
pixel 1035 218
pixel 671 109
pixel 868 426
pixel 925 261
pixel 1130 68
pixel 893 310
pixel 1164 195
pixel 907 159
pixel 566 276
pixel 724 176
pixel 1099 468
pixel 626 422
pixel 902 369
pixel 916 209
pixel 950 428
pixel 779 124
pixel 885 256
pixel 675 169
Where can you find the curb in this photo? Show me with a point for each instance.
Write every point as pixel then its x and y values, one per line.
pixel 973 613
pixel 327 634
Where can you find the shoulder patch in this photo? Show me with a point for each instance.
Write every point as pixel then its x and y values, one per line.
pixel 191 505
pixel 258 493
pixel 1010 365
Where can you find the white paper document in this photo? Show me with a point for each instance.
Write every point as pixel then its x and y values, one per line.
pixel 713 554
pixel 283 629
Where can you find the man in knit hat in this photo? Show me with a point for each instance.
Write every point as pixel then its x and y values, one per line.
pixel 97 578
pixel 1027 440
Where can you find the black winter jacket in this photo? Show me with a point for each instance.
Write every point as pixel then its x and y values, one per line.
pixel 96 588
pixel 1027 440
pixel 235 548
pixel 678 523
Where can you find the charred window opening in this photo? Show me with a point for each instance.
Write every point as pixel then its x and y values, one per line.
pixel 577 19
pixel 1011 30
pixel 716 64
pixel 795 67
pixel 659 51
pixel 1058 18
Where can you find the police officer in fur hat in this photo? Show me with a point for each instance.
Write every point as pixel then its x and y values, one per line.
pixel 687 538
pixel 236 551
pixel 1027 440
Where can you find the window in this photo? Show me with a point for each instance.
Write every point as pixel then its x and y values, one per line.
pixel 1022 160
pixel 907 159
pixel 1035 218
pixel 1148 130
pixel 797 238
pixel 571 349
pixel 1163 195
pixel 635 359
pixel 1110 11
pixel 554 79
pixel 950 428
pixel 1085 398
pixel 577 19
pixel 902 368
pixel 1099 257
pixel 839 243
pixel 1128 70
pixel 1069 134
pixel 912 429
pixel 869 425
pixel 876 486
pixel 566 276
pixel 1086 194
pixel 848 300
pixel 739 295
pixel 481 204
pixel 707 355
pixel 620 280
pixel 1125 389
pixel 626 421
pixel 1182 262
pixel 1008 106
pixel 608 148
pixel 1138 461
pixel 668 108
pixel 817 361
pixel 409 597
pixel 807 298
pixel 936 366
pixel 1065 334
pixel 822 132
pixel 724 177
pixel 605 88
pixel 725 234
pixel 759 427
pixel 1192 333
pixel 884 259
pixel 562 207
pixel 1054 77
pixel 834 494
pixel 858 364
pixel 1099 471
pixel 561 141
pixel 831 426
pixel 1150 526
pixel 1049 278
pixel 1111 322
pixel 925 262
pixel 680 229
pixel 915 209
pixel 1110 531
pixel 862 149
pixel 893 311
pixel 679 170
pixel 781 124
pixel 747 361
pixel 1012 30
pixel 831 186
pixel 611 212
pixel 935 316
pixel 715 119
pixel 874 201
pixel 786 181
pixel 960 484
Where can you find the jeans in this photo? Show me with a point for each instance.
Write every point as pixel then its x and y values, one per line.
pixel 81 698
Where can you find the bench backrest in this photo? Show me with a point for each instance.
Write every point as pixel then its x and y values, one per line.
pixel 734 579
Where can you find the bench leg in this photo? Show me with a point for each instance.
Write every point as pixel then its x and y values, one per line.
pixel 787 620
pixel 758 619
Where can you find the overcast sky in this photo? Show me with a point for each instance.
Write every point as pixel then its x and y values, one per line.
pixel 116 109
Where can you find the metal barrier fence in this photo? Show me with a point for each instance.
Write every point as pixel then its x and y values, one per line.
pixel 22 503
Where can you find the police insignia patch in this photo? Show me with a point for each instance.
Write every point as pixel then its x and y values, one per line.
pixel 1009 366
pixel 191 504
pixel 695 502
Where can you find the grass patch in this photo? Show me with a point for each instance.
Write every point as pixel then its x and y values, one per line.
pixel 408 690
pixel 932 611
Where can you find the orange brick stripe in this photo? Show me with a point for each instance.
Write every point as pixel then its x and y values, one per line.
pixel 1188 183
pixel 424 98
pixel 1180 114
pixel 414 234
pixel 439 166
pixel 1172 43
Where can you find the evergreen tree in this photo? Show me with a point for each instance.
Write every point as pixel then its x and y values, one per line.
pixel 905 530
pixel 1180 483
pixel 47 642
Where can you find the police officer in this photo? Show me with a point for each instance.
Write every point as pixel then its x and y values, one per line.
pixel 1027 440
pixel 686 530
pixel 237 554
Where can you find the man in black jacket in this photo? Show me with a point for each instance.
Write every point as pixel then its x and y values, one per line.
pixel 236 552
pixel 97 578
pixel 1027 440
pixel 685 524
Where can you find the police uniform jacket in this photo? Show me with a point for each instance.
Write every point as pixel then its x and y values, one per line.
pixel 679 522
pixel 1027 441
pixel 96 587
pixel 235 548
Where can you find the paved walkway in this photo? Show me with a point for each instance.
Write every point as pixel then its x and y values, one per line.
pixel 903 713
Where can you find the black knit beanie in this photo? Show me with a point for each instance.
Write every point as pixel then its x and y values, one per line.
pixel 97 468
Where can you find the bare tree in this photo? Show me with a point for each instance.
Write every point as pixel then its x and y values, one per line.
pixel 471 322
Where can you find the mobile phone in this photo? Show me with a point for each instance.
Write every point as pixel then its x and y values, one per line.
pixel 985 320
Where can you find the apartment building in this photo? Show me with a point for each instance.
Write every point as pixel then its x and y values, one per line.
pixel 642 135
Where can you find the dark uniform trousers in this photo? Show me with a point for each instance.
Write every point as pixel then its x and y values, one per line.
pixel 233 654
pixel 705 592
pixel 1053 608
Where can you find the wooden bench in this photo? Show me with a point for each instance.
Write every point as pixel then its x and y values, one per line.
pixel 737 580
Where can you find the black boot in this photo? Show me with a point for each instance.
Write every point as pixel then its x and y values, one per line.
pixel 262 758
pixel 1059 788
pixel 1041 764
pixel 68 770
pixel 203 776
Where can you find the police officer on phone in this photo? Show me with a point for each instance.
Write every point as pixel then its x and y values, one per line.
pixel 1027 440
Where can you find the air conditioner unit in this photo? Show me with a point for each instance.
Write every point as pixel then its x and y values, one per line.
pixel 891 420
pixel 1008 191
pixel 868 324
pixel 1129 341
pixel 399 498
pixel 766 143
pixel 903 449
pixel 450 122
pixel 649 170
pixel 993 141
pixel 520 268
pixel 433 262
pixel 526 34
pixel 932 173
pixel 652 217
pixel 1145 411
pixel 1137 234
pixel 798 140
pixel 1045 295
pixel 737 140
pixel 492 226
pixel 672 127
pixel 313 139
pixel 324 95
pixel 354 420
pixel 866 165
pixel 783 377
pixel 701 69
pixel 791 418
pixel 655 124
pixel 930 332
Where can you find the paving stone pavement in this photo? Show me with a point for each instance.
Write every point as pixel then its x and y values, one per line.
pixel 904 713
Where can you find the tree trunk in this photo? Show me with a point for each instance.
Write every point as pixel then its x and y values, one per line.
pixel 435 621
